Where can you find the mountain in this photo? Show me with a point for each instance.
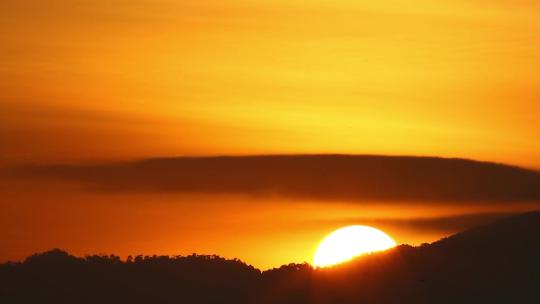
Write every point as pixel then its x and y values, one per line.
pixel 494 263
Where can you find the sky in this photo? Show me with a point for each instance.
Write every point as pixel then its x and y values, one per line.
pixel 93 81
pixel 105 80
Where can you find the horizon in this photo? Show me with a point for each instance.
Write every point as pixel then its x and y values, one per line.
pixel 258 129
pixel 413 274
pixel 347 263
pixel 164 195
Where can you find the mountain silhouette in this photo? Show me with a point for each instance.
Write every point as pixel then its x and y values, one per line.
pixel 494 263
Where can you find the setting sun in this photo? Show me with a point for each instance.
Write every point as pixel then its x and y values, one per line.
pixel 349 242
pixel 276 151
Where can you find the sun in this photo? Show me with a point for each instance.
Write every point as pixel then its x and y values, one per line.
pixel 349 242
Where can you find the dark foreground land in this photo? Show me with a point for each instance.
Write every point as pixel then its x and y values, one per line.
pixel 495 263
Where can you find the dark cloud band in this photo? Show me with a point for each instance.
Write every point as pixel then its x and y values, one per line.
pixel 321 177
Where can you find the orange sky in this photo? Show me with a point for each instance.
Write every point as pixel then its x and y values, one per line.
pixel 93 80
pixel 265 232
pixel 123 79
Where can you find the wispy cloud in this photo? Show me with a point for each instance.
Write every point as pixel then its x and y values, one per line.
pixel 439 224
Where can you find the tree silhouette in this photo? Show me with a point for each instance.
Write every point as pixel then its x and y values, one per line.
pixel 494 263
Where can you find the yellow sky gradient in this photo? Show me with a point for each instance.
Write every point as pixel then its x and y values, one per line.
pixel 94 80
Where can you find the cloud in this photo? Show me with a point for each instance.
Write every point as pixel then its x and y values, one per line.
pixel 317 177
pixel 440 224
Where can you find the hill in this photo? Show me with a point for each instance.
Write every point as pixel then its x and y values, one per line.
pixel 494 263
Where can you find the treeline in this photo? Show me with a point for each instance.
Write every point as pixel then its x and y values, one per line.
pixel 58 277
pixel 496 263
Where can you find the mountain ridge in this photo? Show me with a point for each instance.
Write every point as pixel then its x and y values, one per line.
pixel 494 263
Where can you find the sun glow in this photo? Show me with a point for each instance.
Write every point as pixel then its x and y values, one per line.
pixel 349 242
